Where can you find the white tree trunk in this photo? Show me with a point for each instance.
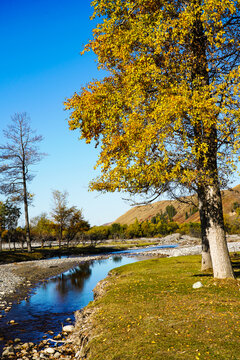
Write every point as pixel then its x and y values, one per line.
pixel 222 267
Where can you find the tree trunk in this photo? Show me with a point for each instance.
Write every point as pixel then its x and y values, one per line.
pixel 222 267
pixel 60 237
pixel 206 256
pixel 1 247
pixel 210 205
pixel 28 239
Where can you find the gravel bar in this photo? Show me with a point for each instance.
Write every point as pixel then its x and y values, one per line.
pixel 15 277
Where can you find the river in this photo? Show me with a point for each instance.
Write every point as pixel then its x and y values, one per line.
pixel 54 301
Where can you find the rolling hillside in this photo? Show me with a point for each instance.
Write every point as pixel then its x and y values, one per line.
pixel 146 212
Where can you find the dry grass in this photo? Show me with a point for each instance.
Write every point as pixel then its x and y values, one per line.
pixel 146 212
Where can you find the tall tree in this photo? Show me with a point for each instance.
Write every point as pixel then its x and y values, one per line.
pixel 61 213
pixel 76 225
pixel 171 212
pixel 168 113
pixel 42 227
pixel 17 156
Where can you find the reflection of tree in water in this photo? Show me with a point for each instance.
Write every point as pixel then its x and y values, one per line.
pixel 117 258
pixel 73 279
pixel 100 261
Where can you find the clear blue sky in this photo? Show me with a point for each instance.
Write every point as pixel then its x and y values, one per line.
pixel 40 66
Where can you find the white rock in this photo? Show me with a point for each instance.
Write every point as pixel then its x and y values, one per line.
pixel 197 285
pixel 35 356
pixel 8 352
pixel 68 328
pixel 49 350
pixel 57 355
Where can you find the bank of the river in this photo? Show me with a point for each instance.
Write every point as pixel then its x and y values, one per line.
pixel 16 279
pixel 161 309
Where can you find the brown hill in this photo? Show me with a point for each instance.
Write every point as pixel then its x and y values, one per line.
pixel 146 212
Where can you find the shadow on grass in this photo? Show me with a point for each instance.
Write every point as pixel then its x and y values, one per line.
pixel 235 258
pixel 203 275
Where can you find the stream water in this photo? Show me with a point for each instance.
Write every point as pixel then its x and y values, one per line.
pixel 55 300
pixel 52 302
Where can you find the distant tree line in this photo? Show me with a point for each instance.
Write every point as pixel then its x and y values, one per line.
pixel 66 226
pixel 154 228
pixel 160 225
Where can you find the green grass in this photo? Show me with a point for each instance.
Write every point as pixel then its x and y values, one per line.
pixel 151 311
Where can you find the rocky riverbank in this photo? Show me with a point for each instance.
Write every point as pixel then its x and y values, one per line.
pixel 62 348
pixel 17 279
pixel 71 343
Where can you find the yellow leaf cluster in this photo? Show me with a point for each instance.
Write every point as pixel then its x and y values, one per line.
pixel 169 108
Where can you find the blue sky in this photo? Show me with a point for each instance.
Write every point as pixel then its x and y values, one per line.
pixel 40 66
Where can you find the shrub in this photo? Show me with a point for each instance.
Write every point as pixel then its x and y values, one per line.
pixel 192 229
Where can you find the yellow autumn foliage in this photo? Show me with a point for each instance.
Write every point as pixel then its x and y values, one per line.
pixel 168 111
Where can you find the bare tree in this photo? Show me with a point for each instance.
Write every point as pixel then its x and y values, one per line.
pixel 20 152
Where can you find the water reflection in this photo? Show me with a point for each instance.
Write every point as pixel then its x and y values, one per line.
pixel 57 299
pixel 117 259
pixel 72 279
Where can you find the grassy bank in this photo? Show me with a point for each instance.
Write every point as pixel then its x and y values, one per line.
pixel 151 311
